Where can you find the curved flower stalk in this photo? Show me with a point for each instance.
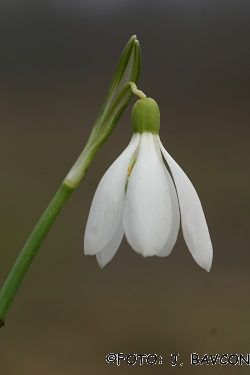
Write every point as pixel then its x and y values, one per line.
pixel 139 197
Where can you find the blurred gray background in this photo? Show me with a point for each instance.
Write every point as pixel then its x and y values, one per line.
pixel 56 62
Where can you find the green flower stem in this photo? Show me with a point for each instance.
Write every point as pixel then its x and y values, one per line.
pixel 118 97
pixel 30 249
pixel 136 91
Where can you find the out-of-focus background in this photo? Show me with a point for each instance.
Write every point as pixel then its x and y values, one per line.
pixel 56 62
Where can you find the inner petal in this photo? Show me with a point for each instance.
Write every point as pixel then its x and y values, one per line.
pixel 168 247
pixel 107 253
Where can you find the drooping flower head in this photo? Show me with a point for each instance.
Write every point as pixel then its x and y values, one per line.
pixel 138 196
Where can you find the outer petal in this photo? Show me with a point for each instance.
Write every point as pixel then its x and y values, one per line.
pixel 175 219
pixel 107 206
pixel 148 211
pixel 194 226
pixel 107 253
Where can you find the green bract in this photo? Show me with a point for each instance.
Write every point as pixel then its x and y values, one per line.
pixel 146 116
pixel 117 99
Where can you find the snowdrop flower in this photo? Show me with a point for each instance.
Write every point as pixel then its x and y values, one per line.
pixel 140 197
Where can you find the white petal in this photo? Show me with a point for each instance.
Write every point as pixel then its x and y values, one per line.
pixel 194 226
pixel 148 211
pixel 107 253
pixel 175 219
pixel 107 206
